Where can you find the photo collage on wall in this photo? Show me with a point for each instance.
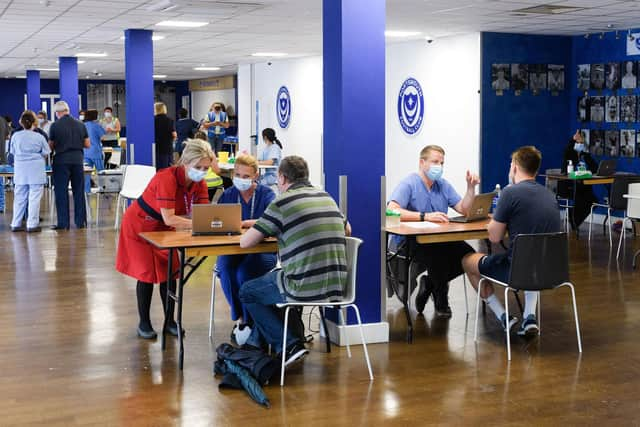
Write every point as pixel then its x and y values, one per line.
pixel 609 98
pixel 521 77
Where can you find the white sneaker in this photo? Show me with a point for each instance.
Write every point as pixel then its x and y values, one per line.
pixel 240 334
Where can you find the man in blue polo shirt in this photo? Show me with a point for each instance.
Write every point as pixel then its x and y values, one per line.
pixel 426 196
pixel 525 207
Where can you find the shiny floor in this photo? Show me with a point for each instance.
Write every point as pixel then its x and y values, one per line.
pixel 70 355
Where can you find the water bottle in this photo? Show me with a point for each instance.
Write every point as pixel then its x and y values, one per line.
pixel 494 203
pixel 569 167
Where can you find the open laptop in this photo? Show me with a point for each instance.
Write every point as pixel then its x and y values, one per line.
pixel 216 220
pixel 479 208
pixel 607 167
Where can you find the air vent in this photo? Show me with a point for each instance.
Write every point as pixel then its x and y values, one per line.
pixel 549 9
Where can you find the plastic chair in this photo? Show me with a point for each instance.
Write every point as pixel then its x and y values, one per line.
pixel 633 212
pixel 348 301
pixel 134 181
pixel 216 274
pixel 563 203
pixel 617 202
pixel 539 262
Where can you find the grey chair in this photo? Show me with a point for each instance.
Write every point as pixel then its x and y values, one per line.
pixel 539 262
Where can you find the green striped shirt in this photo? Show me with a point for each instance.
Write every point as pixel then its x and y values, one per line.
pixel 311 244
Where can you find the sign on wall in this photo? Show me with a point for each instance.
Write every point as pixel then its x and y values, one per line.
pixel 212 83
pixel 410 106
pixel 283 107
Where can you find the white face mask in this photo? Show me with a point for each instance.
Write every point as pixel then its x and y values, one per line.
pixel 196 175
pixel 40 121
pixel 107 114
pixel 81 117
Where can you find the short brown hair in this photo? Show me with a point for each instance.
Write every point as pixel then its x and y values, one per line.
pixel 27 119
pixel 528 158
pixel 91 115
pixel 426 150
pixel 294 169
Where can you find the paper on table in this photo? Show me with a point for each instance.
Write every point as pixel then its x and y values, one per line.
pixel 421 225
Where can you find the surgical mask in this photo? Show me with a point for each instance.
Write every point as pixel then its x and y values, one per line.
pixel 242 184
pixel 107 114
pixel 196 175
pixel 81 117
pixel 434 173
pixel 40 121
pixel 578 147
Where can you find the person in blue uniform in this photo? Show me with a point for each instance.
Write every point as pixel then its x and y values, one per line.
pixel 234 270
pixel 270 155
pixel 93 154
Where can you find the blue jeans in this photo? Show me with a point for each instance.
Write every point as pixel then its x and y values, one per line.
pixel 62 174
pixel 216 143
pixel 234 270
pixel 259 296
pixel 98 163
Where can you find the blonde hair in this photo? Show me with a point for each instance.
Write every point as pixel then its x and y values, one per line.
pixel 247 160
pixel 61 106
pixel 159 108
pixel 428 149
pixel 194 151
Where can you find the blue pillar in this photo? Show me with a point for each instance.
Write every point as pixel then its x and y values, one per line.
pixel 69 83
pixel 138 61
pixel 354 127
pixel 33 91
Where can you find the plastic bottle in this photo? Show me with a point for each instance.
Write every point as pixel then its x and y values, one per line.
pixel 232 159
pixel 569 167
pixel 494 203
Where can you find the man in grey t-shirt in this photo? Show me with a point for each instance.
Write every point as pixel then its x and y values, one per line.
pixel 524 207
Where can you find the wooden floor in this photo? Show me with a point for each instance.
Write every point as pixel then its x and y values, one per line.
pixel 70 355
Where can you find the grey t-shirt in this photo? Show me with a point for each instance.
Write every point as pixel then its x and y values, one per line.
pixel 68 135
pixel 528 208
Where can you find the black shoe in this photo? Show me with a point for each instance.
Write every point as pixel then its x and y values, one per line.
pixel 441 302
pixel 34 230
pixel 59 228
pixel 424 291
pixel 147 334
pixel 295 353
pixel 172 329
pixel 16 229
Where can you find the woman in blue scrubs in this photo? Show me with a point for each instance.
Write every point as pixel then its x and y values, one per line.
pixel 234 270
pixel 270 156
pixel 93 154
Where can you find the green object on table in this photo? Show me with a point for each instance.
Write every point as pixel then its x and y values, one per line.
pixel 390 212
pixel 580 175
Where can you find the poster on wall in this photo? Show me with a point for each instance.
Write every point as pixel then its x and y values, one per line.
pixel 596 137
pixel 283 107
pixel 612 143
pixel 584 76
pixel 628 142
pixel 586 138
pixel 597 76
pixel 628 105
pixel 519 77
pixel 538 77
pixel 556 77
pixel 596 110
pixel 583 109
pixel 500 77
pixel 630 75
pixel 410 106
pixel 613 75
pixel 612 113
pixel 633 44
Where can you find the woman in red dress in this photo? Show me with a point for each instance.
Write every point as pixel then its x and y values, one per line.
pixel 163 206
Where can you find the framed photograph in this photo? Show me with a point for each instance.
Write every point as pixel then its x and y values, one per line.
pixel 555 77
pixel 596 108
pixel 611 143
pixel 586 137
pixel 584 76
pixel 612 113
pixel 612 79
pixel 596 139
pixel 628 142
pixel 500 76
pixel 537 77
pixel 519 76
pixel 583 109
pixel 628 108
pixel 629 75
pixel 597 76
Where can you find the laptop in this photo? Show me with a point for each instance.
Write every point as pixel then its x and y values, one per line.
pixel 216 220
pixel 479 208
pixel 607 167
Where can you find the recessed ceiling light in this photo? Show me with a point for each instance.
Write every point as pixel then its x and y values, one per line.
pixel 159 76
pixel 269 54
pixel 154 37
pixel 391 33
pixel 91 55
pixel 45 69
pixel 79 62
pixel 206 68
pixel 182 24
pixel 21 77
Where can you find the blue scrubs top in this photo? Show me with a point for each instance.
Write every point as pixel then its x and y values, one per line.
pixel 272 152
pixel 262 197
pixel 95 132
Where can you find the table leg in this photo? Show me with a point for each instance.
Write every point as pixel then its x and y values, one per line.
pixel 395 291
pixel 180 289
pixel 168 298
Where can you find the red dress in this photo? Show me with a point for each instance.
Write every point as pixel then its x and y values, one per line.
pixel 138 258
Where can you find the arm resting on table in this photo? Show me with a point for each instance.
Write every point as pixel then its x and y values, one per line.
pixel 251 238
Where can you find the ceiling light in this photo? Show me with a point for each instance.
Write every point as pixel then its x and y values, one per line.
pixel 79 62
pixel 269 54
pixel 21 77
pixel 154 37
pixel 182 24
pixel 159 76
pixel 390 33
pixel 45 69
pixel 206 68
pixel 90 55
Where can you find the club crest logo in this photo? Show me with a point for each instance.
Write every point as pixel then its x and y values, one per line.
pixel 410 106
pixel 283 107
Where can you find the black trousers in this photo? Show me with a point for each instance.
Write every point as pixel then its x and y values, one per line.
pixel 62 174
pixel 584 198
pixel 443 262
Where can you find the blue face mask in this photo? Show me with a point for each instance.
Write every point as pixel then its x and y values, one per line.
pixel 434 173
pixel 578 147
pixel 242 184
pixel 196 175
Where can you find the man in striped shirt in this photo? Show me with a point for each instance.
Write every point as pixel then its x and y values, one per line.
pixel 310 231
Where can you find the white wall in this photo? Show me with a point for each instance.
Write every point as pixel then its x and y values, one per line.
pixel 303 78
pixel 246 107
pixel 449 72
pixel 201 101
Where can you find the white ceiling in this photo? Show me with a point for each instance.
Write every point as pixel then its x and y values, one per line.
pixel 37 32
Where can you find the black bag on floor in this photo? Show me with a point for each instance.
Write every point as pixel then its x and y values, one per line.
pixel 260 365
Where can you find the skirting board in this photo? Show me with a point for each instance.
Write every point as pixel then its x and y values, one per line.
pixel 373 333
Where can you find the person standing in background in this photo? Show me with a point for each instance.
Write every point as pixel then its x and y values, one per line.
pixel 270 156
pixel 216 124
pixel 165 135
pixel 185 129
pixel 111 126
pixel 4 134
pixel 43 123
pixel 93 154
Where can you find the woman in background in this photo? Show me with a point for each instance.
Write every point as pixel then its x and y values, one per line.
pixel 165 135
pixel 270 156
pixel 576 151
pixel 93 154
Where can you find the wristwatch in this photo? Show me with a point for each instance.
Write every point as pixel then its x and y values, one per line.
pixel 421 216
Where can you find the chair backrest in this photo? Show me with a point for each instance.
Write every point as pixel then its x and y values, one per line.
pixel 116 158
pixel 633 207
pixel 619 188
pixel 353 246
pixel 135 180
pixel 539 261
pixel 552 184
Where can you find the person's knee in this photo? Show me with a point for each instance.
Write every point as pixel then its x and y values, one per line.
pixel 246 292
pixel 470 263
